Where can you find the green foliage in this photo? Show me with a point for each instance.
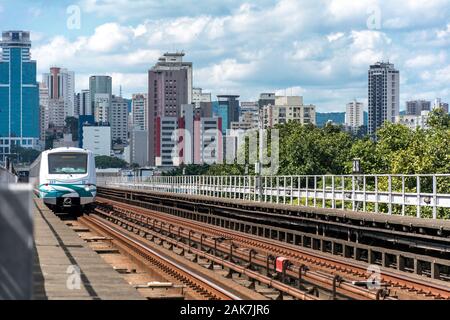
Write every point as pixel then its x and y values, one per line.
pixel 23 155
pixel 399 150
pixel 311 150
pixel 226 170
pixel 439 119
pixel 189 170
pixel 105 162
pixel 308 150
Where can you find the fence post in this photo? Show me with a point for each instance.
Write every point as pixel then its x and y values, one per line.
pixel 434 196
pixel 323 191
pixel 418 195
pixel 333 201
pixel 390 194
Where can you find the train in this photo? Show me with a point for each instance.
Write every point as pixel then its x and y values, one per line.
pixel 65 178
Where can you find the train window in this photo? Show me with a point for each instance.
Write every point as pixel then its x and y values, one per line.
pixel 70 163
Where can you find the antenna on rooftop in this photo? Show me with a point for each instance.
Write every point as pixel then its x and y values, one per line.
pixel 120 91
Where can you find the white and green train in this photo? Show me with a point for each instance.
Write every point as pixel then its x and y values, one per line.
pixel 65 178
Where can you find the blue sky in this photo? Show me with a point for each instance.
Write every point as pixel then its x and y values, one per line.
pixel 320 49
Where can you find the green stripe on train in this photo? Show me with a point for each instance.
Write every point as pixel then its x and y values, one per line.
pixel 79 189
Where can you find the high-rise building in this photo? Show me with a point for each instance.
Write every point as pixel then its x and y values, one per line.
pixel 383 94
pixel 166 153
pixel 102 107
pixel 97 139
pixel 227 108
pixel 84 120
pixel 140 111
pixel 439 104
pixel 186 134
pixel 57 115
pixel 44 112
pixel 208 141
pixel 77 104
pixel 99 85
pixel 198 97
pixel 138 146
pixel 415 107
pixel 169 86
pixel 61 85
pixel 119 120
pixel 249 113
pixel 84 100
pixel 266 99
pixel 354 115
pixel 19 93
pixel 286 109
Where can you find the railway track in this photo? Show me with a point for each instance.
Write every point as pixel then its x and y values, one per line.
pixel 323 271
pixel 201 286
pixel 328 285
pixel 193 277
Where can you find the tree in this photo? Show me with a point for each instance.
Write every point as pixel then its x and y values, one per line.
pixel 134 165
pixel 189 170
pixel 23 155
pixel 72 126
pixel 306 149
pixel 438 119
pixel 105 162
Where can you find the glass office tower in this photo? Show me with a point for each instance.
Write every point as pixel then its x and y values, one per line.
pixel 19 94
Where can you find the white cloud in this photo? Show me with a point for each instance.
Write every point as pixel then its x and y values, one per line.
pixel 347 9
pixel 35 12
pixel 335 36
pixel 426 60
pixel 321 49
pixel 109 36
pixel 225 73
pixel 295 91
pixel 442 75
pixel 441 34
pixel 396 23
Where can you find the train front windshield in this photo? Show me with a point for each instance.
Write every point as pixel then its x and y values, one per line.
pixel 67 163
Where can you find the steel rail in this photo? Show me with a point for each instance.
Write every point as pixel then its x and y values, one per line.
pixel 242 270
pixel 419 285
pixel 345 288
pixel 204 282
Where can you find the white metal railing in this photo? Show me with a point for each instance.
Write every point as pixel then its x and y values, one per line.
pixel 420 195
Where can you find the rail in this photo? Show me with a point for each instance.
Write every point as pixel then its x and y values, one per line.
pixel 420 195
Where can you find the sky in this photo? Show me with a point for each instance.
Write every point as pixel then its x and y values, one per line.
pixel 320 49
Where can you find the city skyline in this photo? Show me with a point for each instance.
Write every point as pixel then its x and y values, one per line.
pixel 323 55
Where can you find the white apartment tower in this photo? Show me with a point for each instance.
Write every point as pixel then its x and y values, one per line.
pixel 139 111
pixel 43 110
pixel 354 115
pixel 101 110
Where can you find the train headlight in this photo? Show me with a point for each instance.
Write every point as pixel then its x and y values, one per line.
pixel 89 188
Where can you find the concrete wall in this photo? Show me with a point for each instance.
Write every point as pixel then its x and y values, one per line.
pixel 16 242
pixel 7 177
